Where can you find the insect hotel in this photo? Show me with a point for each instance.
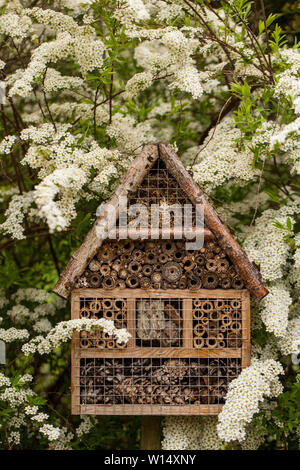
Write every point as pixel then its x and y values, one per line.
pixel 187 310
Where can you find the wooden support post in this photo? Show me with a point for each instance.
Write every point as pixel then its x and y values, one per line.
pixel 150 433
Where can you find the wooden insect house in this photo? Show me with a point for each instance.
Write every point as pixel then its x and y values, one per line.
pixel 187 311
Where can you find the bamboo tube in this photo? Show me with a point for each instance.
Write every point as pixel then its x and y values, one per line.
pixel 222 265
pixel 108 314
pixel 221 343
pixel 235 304
pixel 211 342
pixel 214 315
pixel 95 280
pixel 211 265
pixel 105 269
pixel 85 343
pixel 132 281
pixel 226 320
pixel 107 304
pixel 95 306
pixel 110 344
pixel 120 316
pixel 85 313
pixel 94 265
pixel 198 343
pixel 100 343
pixel 106 336
pixel 198 314
pixel 219 304
pixel 236 315
pixel 197 303
pixel 119 304
pixel 207 306
pixel 134 267
pixel 108 282
pixel 120 345
pixel 236 326
pixel 199 330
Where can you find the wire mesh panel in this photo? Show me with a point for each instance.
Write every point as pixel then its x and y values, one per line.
pixel 114 309
pixel 184 350
pixel 160 188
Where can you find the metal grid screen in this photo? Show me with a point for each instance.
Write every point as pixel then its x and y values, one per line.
pixel 185 348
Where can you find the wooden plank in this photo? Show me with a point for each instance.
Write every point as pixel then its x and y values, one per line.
pixel 187 325
pixel 246 330
pixel 75 359
pixel 153 410
pixel 160 352
pixel 131 324
pixel 161 294
pixel 151 433
pixel 159 233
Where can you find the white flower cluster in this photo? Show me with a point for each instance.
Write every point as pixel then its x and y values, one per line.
pixel 181 433
pixel 190 432
pixel 288 83
pixel 221 159
pixel 297 251
pixel 245 394
pixel 13 334
pixel 290 343
pixel 188 79
pixel 26 378
pixel 85 426
pixel 17 399
pixel 7 143
pixel 51 432
pixel 129 135
pixel 45 193
pixel 64 330
pixel 55 81
pixel 4 381
pixel 274 309
pixel 86 51
pixel 18 207
pixel 265 243
pixel 137 9
pixel 168 11
pixel 138 83
pixel 14 438
pixel 15 26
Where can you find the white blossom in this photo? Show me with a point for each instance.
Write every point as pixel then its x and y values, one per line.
pixel 245 394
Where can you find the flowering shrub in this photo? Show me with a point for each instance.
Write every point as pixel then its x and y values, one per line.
pixel 87 84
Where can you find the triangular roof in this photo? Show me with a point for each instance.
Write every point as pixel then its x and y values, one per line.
pixel 130 182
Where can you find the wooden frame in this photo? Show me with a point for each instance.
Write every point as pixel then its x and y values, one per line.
pixel 132 351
